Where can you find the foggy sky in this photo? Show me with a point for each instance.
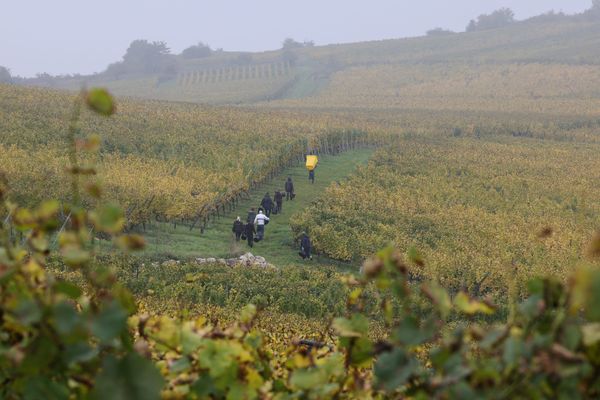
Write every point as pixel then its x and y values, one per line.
pixel 68 36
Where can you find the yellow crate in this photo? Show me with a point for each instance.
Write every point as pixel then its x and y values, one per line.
pixel 311 162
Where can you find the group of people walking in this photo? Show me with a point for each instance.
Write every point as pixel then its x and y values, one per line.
pixel 253 230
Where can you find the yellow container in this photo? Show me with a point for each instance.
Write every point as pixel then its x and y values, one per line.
pixel 311 162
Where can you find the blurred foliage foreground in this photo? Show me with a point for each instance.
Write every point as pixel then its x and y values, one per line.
pixel 61 340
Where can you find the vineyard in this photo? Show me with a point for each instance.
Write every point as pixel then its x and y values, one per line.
pixel 111 348
pixel 171 241
pixel 479 205
pixel 454 224
pixel 558 89
pixel 197 161
pixel 485 215
pixel 217 85
pixel 256 71
pixel 200 162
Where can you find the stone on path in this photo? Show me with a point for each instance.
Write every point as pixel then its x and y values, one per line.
pixel 245 260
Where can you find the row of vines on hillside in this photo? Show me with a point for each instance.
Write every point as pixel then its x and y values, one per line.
pixel 535 88
pixel 485 215
pixel 85 338
pixel 169 162
pixel 185 163
pixel 64 340
pixel 271 70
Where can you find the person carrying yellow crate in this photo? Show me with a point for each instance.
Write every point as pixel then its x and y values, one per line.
pixel 311 165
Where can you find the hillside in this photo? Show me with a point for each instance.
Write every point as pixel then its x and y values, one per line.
pixel 460 170
pixel 195 158
pixel 555 58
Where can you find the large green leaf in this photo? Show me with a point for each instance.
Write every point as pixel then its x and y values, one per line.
pixel 110 322
pixel 108 218
pixel 204 387
pixel 100 101
pixel 361 351
pixel 393 369
pixel 513 350
pixel 356 326
pixel 66 317
pixel 68 289
pixel 28 312
pixel 410 332
pixel 79 352
pixel 129 378
pixel 439 297
pixel 40 387
pixel 305 379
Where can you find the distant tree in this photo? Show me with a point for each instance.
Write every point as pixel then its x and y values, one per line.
pixel 144 56
pixel 200 50
pixel 116 70
pixel 44 79
pixel 5 76
pixel 550 16
pixel 497 19
pixel 43 75
pixel 439 32
pixel 289 44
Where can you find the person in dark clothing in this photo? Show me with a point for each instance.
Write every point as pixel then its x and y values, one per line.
pixel 289 189
pixel 251 216
pixel 250 231
pixel 267 204
pixel 305 247
pixel 238 229
pixel 311 176
pixel 279 201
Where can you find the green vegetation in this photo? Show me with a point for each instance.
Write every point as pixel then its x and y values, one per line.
pixel 554 89
pixel 498 19
pixel 486 215
pixel 166 240
pixel 547 348
pixel 175 287
pixel 196 160
pixel 474 154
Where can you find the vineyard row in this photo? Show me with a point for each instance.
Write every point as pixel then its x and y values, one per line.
pixel 329 144
pixel 212 75
pixel 139 215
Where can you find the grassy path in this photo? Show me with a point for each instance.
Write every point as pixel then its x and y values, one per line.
pixel 277 248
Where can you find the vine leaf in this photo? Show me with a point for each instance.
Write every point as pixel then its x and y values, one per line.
pixel 100 101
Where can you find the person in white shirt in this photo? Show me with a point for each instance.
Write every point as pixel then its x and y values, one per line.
pixel 260 221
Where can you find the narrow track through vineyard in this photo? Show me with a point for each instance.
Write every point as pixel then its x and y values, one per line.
pixel 278 247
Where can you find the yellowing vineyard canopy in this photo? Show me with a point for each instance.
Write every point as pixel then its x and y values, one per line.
pixel 311 162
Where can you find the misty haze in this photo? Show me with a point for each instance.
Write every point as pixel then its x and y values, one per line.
pixel 309 200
